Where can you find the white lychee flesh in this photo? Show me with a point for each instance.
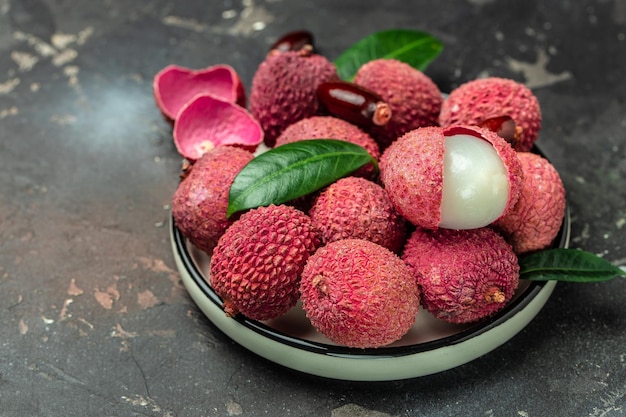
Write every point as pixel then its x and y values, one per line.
pixel 475 183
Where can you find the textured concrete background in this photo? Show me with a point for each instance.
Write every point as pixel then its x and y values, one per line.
pixel 93 318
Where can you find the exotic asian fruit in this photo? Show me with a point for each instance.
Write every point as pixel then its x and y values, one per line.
pixel 356 208
pixel 328 127
pixel 256 264
pixel 536 218
pixel 359 294
pixel 479 100
pixel 415 100
pixel 464 275
pixel 284 89
pixel 457 178
pixel 201 199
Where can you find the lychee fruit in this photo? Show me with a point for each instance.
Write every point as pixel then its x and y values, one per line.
pixel 206 122
pixel 478 100
pixel 415 100
pixel 174 86
pixel 357 208
pixel 284 89
pixel 329 127
pixel 200 201
pixel 359 294
pixel 463 275
pixel 458 178
pixel 256 265
pixel 535 220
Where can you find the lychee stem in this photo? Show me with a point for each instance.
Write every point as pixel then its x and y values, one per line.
pixel 494 295
pixel 229 308
pixel 185 169
pixel 318 282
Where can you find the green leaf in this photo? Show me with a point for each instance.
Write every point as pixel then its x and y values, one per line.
pixel 415 48
pixel 571 265
pixel 294 170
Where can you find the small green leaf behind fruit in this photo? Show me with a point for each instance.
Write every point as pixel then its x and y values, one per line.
pixel 572 265
pixel 294 170
pixel 416 48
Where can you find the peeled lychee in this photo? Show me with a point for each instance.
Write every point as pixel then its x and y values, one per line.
pixel 458 177
pixel 174 86
pixel 201 199
pixel 357 208
pixel 284 89
pixel 478 100
pixel 359 294
pixel 464 275
pixel 535 220
pixel 256 265
pixel 206 122
pixel 415 100
pixel 328 127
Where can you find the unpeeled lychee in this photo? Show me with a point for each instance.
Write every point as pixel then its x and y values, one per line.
pixel 200 201
pixel 284 89
pixel 359 294
pixel 415 100
pixel 328 127
pixel 478 100
pixel 459 177
pixel 535 220
pixel 357 208
pixel 256 265
pixel 464 275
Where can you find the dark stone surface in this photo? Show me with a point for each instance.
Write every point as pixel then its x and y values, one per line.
pixel 93 318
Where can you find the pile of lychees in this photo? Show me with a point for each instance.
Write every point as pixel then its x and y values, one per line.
pixel 458 195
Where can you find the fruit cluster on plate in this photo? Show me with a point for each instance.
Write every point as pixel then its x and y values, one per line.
pixel 437 218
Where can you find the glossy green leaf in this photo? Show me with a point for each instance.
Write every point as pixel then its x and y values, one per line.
pixel 571 265
pixel 415 48
pixel 294 170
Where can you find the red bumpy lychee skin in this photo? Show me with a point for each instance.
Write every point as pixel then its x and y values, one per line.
pixel 256 265
pixel 359 294
pixel 328 127
pixel 411 170
pixel 478 100
pixel 413 162
pixel 201 199
pixel 415 100
pixel 284 89
pixel 357 208
pixel 464 275
pixel 535 220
